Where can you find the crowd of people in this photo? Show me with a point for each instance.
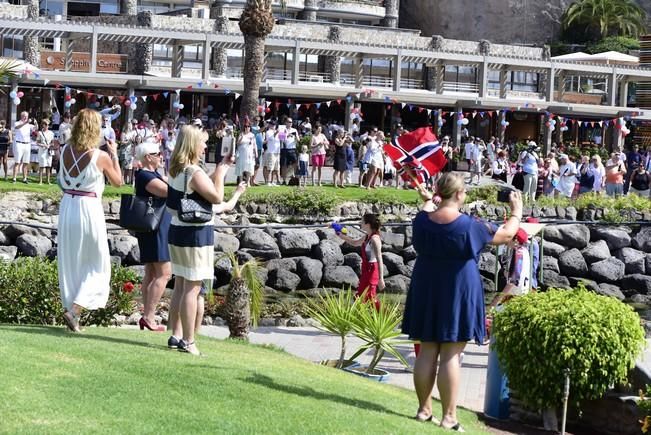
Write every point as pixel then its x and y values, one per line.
pixel 557 173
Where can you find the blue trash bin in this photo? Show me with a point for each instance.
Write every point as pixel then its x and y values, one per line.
pixel 496 399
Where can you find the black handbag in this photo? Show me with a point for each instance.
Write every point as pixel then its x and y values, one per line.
pixel 141 213
pixel 193 211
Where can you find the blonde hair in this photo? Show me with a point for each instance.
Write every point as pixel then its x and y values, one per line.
pixel 185 151
pixel 597 157
pixel 449 184
pixel 86 130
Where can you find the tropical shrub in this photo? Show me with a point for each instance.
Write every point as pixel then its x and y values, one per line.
pixel 621 44
pixel 540 336
pixel 298 201
pixel 29 294
pixel 336 314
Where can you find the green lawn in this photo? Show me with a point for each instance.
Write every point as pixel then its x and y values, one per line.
pixel 383 195
pixel 126 381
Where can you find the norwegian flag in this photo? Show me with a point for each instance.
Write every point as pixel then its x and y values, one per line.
pixel 417 153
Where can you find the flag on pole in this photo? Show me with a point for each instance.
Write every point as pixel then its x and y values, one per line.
pixel 416 155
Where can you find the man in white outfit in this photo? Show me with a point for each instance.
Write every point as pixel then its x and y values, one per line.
pixel 23 130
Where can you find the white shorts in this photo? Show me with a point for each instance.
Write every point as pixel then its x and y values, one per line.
pixel 44 159
pixel 22 153
pixel 272 161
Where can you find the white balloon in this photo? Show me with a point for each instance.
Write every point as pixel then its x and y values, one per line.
pixel 16 101
pixel 465 121
pixel 134 106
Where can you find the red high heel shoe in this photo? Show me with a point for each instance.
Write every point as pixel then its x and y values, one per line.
pixel 144 324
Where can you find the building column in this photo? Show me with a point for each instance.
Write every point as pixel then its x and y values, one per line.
pixel 31 48
pixel 391 7
pixel 547 146
pixel 623 93
pixel 13 109
pixel 68 56
pixel 503 79
pixel 309 11
pixel 130 112
pixel 142 54
pixel 612 89
pixel 482 78
pixel 93 52
pixel 219 54
pixel 128 7
pixel 177 60
pixel 333 63
pixel 358 72
pixel 502 129
pixel 561 86
pixel 296 64
pixel 549 90
pixel 397 71
pixel 456 128
pixel 437 121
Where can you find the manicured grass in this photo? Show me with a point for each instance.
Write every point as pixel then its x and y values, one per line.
pixel 385 195
pixel 126 381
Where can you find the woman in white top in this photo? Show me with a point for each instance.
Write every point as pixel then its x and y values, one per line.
pixel 567 177
pixel 45 142
pixel 191 245
pixel 376 160
pixel 246 155
pixel 599 172
pixel 83 253
pixel 319 147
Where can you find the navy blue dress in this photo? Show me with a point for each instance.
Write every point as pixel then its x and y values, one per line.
pixel 153 246
pixel 445 303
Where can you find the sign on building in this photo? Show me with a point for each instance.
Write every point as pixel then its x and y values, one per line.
pixel 80 62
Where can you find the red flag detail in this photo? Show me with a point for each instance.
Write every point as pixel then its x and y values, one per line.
pixel 416 154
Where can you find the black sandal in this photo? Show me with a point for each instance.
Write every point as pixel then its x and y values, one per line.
pixel 457 428
pixel 72 322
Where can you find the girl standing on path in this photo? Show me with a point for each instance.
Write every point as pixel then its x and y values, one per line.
pixel 246 155
pixel 372 278
pixel 319 148
pixel 445 303
pixel 339 165
pixel 83 253
pixel 45 142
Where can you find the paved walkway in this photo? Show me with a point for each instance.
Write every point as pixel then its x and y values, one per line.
pixel 314 345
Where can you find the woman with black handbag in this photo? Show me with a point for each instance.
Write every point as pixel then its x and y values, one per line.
pixel 154 250
pixel 191 195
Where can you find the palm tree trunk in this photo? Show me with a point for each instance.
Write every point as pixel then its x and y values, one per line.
pixel 253 69
pixel 342 355
pixel 238 310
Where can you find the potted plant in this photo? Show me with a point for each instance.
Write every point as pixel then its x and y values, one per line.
pixel 541 338
pixel 245 297
pixel 379 330
pixel 335 314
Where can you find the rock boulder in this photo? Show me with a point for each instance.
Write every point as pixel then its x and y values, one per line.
pixel 553 249
pixel 634 260
pixel 121 246
pixel 354 261
pixel 8 253
pixel 642 240
pixel 226 242
pixel 611 290
pixel 610 270
pixel 394 263
pixel 328 253
pixel 310 271
pixel 571 263
pixel 254 238
pixel 638 282
pixel 281 263
pixel 615 238
pixel 397 284
pixel 296 242
pixel 283 280
pixel 339 277
pixel 596 251
pixel 572 235
pixel 33 246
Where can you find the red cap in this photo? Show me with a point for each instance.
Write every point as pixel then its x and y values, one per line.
pixel 532 220
pixel 521 236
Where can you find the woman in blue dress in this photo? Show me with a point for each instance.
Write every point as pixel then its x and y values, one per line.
pixel 154 250
pixel 445 303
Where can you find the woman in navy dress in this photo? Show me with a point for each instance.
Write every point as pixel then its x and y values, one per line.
pixel 154 250
pixel 445 303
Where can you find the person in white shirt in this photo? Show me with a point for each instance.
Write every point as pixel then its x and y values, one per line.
pixel 306 126
pixel 476 154
pixel 271 159
pixel 56 118
pixel 65 132
pixel 23 130
pixel 597 169
pixel 45 142
pixel 467 148
pixel 108 134
pixel 567 176
pixel 289 138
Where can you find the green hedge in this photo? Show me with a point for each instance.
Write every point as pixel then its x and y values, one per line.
pixel 29 294
pixel 541 335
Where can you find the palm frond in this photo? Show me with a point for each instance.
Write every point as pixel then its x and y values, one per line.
pixel 9 69
pixel 250 275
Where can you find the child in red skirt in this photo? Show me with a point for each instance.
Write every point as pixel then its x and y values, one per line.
pixel 371 280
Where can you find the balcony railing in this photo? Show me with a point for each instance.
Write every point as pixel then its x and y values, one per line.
pixel 472 88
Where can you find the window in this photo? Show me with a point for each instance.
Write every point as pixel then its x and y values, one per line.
pixel 51 7
pixel 155 7
pixel 12 46
pixel 460 74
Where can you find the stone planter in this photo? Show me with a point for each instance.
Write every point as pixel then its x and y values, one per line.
pixel 348 364
pixel 378 375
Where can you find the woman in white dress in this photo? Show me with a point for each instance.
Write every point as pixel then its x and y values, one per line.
pixel 246 155
pixel 45 142
pixel 83 254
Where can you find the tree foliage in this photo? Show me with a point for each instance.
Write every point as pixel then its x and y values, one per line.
pixel 602 18
pixel 621 44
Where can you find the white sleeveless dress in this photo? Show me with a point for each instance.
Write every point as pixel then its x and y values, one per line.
pixel 83 252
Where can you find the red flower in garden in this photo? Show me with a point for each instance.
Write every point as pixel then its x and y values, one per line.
pixel 128 287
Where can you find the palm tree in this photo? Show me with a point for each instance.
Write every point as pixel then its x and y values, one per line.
pixel 257 21
pixel 245 297
pixel 9 69
pixel 604 18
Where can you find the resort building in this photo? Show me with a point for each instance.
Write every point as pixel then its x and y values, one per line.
pixel 333 59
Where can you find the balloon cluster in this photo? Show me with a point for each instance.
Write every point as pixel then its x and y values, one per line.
pixel 551 124
pixel 16 96
pixel 461 119
pixel 178 106
pixel 621 126
pixel 504 123
pixel 69 101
